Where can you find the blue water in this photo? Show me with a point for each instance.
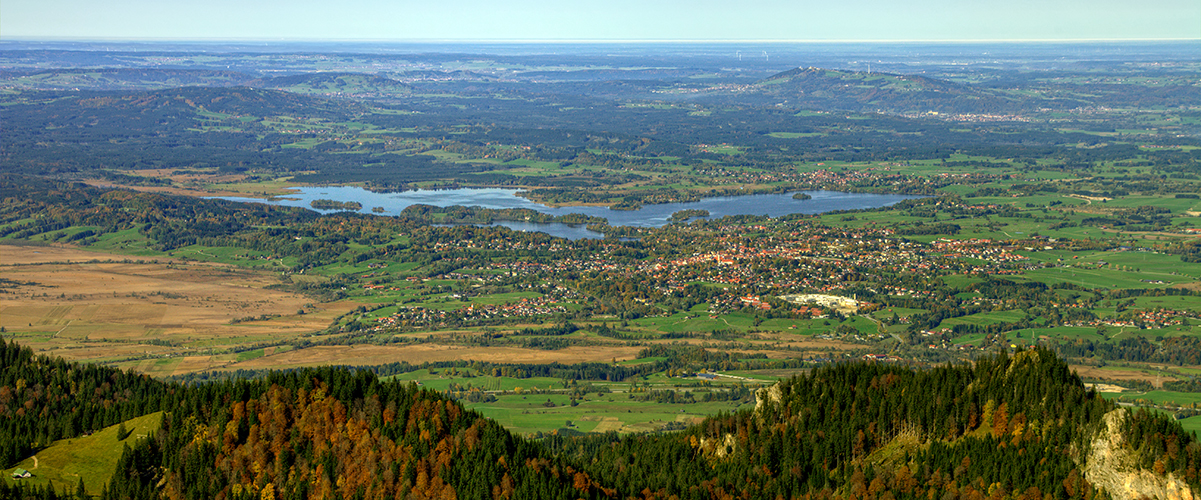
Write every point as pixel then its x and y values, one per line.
pixel 771 205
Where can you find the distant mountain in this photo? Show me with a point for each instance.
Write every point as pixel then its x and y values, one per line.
pixel 237 101
pixel 608 74
pixel 92 119
pixel 861 91
pixel 334 83
pixel 121 79
pixel 858 80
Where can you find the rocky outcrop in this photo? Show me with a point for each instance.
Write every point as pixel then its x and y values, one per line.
pixel 718 448
pixel 767 395
pixel 1111 465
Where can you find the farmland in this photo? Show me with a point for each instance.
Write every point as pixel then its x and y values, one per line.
pixel 159 316
pixel 1067 222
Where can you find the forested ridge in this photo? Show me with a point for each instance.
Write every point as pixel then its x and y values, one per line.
pixel 320 433
pixel 1011 426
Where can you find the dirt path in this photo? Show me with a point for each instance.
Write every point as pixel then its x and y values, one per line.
pixel 63 328
pixel 35 463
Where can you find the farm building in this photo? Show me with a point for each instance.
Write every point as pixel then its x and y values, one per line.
pixel 21 474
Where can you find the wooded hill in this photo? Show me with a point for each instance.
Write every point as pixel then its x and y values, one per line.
pixel 164 78
pixel 1012 426
pixel 832 89
pixel 333 82
pixel 121 78
pixel 853 90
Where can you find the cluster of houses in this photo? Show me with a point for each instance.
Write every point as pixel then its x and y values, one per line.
pixel 756 302
pixel 791 256
pixel 819 259
pixel 876 176
pixel 1141 318
pixel 976 248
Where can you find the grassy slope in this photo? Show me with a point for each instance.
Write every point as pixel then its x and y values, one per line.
pixel 92 458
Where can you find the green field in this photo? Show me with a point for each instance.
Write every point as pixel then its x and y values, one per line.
pixel 521 403
pixel 610 412
pixel 1158 397
pixel 985 318
pixel 442 379
pixel 1191 424
pixel 91 458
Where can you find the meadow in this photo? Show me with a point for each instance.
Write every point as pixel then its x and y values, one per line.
pixel 90 458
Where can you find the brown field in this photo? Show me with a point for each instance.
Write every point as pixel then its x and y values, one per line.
pixel 607 424
pixel 180 181
pixel 366 355
pixel 165 317
pixel 1122 374
pixel 93 306
pixel 1194 286
pixel 168 189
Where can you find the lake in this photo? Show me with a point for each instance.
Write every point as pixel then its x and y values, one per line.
pixel 771 205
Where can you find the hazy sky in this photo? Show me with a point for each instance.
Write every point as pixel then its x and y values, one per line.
pixel 603 19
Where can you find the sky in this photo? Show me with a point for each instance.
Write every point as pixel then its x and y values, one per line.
pixel 603 20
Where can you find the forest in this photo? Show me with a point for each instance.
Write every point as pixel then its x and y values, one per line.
pixel 1014 425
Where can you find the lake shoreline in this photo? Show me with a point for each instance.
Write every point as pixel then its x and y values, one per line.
pixel 651 215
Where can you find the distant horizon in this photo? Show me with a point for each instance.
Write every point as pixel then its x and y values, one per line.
pixel 581 40
pixel 614 21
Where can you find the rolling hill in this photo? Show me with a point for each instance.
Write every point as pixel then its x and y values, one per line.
pixel 121 79
pixel 335 83
pixel 861 91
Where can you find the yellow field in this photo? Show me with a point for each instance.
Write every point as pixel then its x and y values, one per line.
pixel 1120 374
pixel 156 316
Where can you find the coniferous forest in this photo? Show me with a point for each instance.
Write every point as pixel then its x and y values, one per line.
pixel 1014 425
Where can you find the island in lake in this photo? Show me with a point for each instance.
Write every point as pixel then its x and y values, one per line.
pixel 686 214
pixel 336 205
